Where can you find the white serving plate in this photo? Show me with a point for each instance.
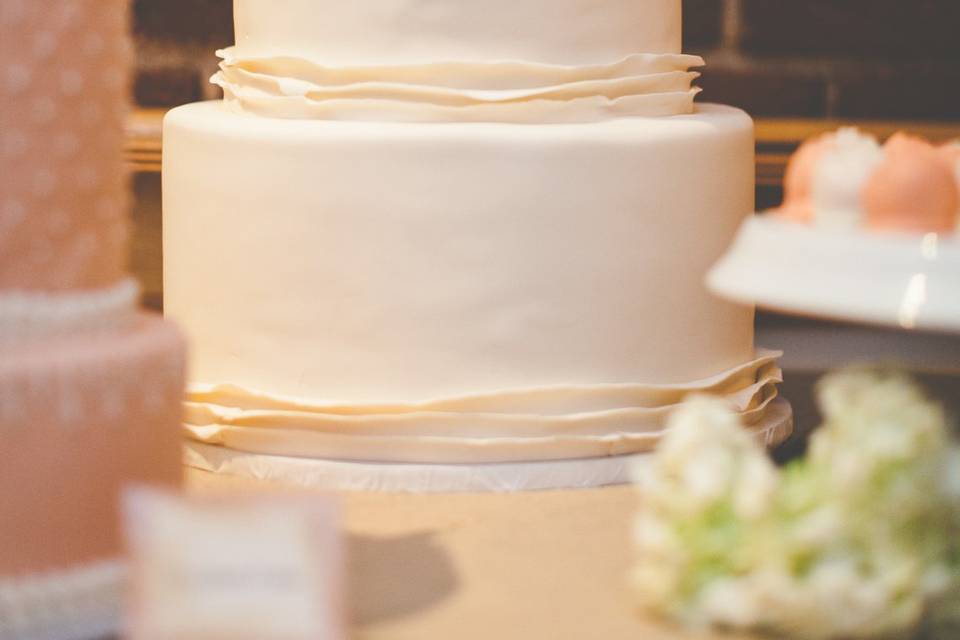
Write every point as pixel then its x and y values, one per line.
pixel 907 281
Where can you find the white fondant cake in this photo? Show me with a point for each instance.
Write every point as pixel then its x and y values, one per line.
pixel 446 232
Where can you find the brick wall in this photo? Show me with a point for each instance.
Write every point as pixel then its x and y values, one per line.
pixel 873 59
pixel 176 40
pixel 862 59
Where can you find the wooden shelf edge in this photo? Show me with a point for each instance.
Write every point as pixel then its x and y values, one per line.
pixel 776 139
pixel 789 132
pixel 144 146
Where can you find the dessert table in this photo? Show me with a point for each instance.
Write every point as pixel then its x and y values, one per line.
pixel 550 564
pixel 554 564
pixel 528 565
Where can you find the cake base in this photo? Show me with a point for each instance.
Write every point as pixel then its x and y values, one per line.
pixel 337 475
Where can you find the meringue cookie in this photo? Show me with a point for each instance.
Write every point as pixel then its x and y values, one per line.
pixel 912 189
pixel 840 176
pixel 951 151
pixel 798 182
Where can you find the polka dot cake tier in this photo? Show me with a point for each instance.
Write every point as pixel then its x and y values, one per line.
pixel 64 223
pixel 89 385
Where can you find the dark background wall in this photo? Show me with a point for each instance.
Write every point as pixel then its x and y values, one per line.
pixel 862 59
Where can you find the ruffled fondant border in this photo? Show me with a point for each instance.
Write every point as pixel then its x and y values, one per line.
pixel 559 422
pixel 504 91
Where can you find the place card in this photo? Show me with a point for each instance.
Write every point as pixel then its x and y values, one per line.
pixel 238 568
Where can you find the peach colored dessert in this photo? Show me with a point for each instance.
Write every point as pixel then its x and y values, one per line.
pixel 951 151
pixel 847 180
pixel 913 189
pixel 798 182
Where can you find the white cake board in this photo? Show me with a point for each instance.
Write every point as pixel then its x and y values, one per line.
pixel 338 475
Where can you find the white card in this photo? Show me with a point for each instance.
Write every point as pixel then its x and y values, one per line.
pixel 238 568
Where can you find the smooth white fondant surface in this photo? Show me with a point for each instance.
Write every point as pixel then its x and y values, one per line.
pixel 375 32
pixel 376 262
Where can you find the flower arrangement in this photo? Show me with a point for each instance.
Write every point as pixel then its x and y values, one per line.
pixel 857 540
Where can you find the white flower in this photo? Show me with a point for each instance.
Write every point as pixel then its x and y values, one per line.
pixel 651 535
pixel 845 597
pixel 818 527
pixel 951 473
pixel 756 487
pixel 855 541
pixel 732 603
pixel 705 456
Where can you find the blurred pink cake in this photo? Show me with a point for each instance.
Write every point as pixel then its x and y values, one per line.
pixel 848 180
pixel 89 386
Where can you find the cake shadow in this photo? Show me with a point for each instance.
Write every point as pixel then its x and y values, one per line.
pixel 392 577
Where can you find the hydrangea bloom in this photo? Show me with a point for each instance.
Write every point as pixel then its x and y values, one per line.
pixel 855 541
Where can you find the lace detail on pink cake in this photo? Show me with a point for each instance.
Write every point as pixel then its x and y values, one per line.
pixel 82 602
pixel 35 314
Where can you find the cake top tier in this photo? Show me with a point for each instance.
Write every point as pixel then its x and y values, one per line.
pixel 63 100
pixel 397 32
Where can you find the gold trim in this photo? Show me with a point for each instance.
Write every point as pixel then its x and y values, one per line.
pixel 777 138
pixel 145 139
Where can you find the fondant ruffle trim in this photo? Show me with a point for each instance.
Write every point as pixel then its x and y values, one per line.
pixel 548 423
pixel 509 91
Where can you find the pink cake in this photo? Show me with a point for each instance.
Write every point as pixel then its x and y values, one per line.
pixel 89 386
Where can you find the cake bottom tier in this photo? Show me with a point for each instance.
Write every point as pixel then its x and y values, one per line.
pixel 358 263
pixel 81 418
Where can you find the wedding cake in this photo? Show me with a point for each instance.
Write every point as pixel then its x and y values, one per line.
pixel 89 387
pixel 446 232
